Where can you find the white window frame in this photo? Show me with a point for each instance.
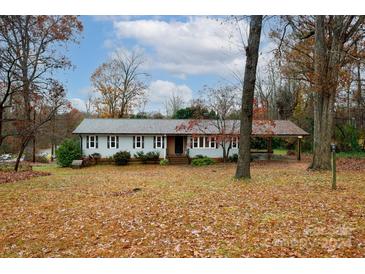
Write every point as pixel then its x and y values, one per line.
pixel 235 141
pixel 212 140
pixel 196 142
pixel 136 141
pixel 110 141
pixel 206 141
pixel 94 141
pixel 157 141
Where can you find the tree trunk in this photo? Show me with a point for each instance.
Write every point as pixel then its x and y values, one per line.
pixel 33 152
pixel 252 55
pixel 326 74
pixel 224 152
pixel 21 151
pixel 1 125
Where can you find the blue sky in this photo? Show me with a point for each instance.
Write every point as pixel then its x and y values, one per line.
pixel 182 54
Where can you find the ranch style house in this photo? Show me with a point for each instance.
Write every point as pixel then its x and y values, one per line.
pixel 174 138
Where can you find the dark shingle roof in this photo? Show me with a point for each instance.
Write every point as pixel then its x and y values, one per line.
pixel 174 126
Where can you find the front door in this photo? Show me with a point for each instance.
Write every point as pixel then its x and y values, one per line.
pixel 179 144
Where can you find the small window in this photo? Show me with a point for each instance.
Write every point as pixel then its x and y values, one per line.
pixel 201 142
pixel 195 142
pixel 212 142
pixel 92 141
pixel 138 142
pixel 112 142
pixel 206 142
pixel 234 142
pixel 158 141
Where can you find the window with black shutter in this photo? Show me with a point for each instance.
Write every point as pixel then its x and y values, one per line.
pixel 158 141
pixel 138 141
pixel 112 141
pixel 92 141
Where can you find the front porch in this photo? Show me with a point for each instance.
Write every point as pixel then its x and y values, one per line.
pixel 176 145
pixel 176 149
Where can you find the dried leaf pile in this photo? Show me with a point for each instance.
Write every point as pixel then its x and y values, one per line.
pixel 181 211
pixel 12 176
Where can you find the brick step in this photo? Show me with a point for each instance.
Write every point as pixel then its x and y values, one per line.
pixel 178 159
pixel 178 163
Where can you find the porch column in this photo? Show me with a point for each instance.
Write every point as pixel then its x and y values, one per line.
pixel 269 148
pixel 299 147
pixel 188 144
pixel 165 146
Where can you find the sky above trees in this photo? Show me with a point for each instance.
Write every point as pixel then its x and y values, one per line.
pixel 183 54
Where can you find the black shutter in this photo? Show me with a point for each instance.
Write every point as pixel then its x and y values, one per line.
pixel 87 141
pixel 108 142
pixel 142 141
pixel 154 141
pixel 163 141
pixel 191 142
pixel 117 141
pixel 134 141
pixel 80 144
pixel 96 137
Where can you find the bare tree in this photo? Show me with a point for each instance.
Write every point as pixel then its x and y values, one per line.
pixel 248 88
pixel 46 106
pixel 120 84
pixel 222 102
pixel 9 86
pixel 89 103
pixel 173 104
pixel 33 41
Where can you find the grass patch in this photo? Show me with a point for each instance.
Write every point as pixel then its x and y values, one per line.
pixel 351 154
pixel 280 151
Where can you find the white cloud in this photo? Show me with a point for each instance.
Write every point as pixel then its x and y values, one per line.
pixel 159 91
pixel 78 104
pixel 198 46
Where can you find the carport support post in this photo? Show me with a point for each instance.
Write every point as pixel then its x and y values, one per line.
pixel 269 148
pixel 333 165
pixel 299 148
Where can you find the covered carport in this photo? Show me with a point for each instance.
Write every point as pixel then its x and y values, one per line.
pixel 277 128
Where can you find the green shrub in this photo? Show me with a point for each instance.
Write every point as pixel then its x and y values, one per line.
pixel 121 158
pixel 199 156
pixel 149 156
pixel 347 137
pixel 153 155
pixel 164 162
pixel 233 158
pixel 141 156
pixel 68 151
pixel 205 161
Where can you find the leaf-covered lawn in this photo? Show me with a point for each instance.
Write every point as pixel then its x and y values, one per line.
pixel 181 211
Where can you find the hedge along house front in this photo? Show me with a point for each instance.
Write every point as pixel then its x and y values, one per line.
pixel 171 137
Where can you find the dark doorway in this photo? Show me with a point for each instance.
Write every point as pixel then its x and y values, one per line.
pixel 179 144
